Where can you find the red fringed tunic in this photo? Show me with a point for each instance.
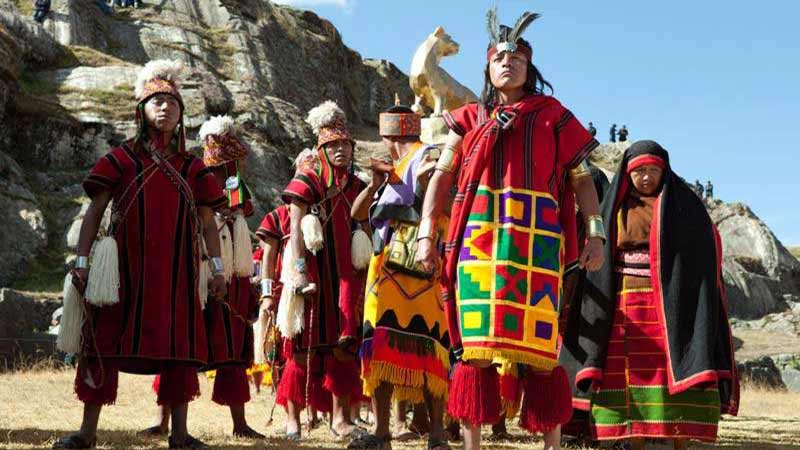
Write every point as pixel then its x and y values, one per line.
pixel 277 225
pixel 335 307
pixel 230 335
pixel 158 317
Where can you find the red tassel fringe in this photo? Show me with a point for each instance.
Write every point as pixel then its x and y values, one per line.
pixel 178 384
pixel 292 387
pixel 547 402
pixel 341 377
pixel 474 395
pixel 107 380
pixel 230 386
pixel 510 389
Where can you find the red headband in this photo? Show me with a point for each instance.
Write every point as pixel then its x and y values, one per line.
pixel 524 49
pixel 642 160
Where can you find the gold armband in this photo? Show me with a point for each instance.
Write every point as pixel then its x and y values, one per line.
pixel 580 172
pixel 595 227
pixel 446 159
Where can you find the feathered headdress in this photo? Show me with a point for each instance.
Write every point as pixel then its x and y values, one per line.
pixel 329 123
pixel 220 143
pixel 307 159
pixel 506 39
pixel 161 76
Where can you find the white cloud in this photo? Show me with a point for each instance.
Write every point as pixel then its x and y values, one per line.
pixel 346 5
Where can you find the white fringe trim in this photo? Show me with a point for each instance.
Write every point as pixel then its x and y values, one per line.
pixel 360 249
pixel 312 233
pixel 291 307
pixel 226 247
pixel 242 248
pixel 70 329
pixel 103 286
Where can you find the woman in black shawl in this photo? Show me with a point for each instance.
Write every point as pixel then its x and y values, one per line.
pixel 652 343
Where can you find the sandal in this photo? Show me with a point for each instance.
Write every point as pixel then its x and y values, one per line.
pixel 293 436
pixel 75 440
pixel 190 443
pixel 370 442
pixel 355 433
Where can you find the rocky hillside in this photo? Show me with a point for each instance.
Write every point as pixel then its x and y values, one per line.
pixel 761 275
pixel 66 97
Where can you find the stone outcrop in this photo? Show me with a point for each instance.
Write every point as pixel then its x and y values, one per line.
pixel 66 98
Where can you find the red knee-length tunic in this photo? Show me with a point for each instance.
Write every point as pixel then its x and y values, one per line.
pixel 158 317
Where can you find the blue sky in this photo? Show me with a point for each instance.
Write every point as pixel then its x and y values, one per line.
pixel 716 83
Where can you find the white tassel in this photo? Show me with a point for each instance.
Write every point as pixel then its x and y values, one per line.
pixel 70 329
pixel 203 281
pixel 103 285
pixel 360 249
pixel 226 248
pixel 242 248
pixel 312 233
pixel 291 307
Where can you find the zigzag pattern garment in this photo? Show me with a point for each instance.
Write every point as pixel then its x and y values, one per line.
pixel 406 342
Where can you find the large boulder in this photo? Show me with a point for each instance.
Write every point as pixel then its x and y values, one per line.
pixel 21 219
pixel 761 372
pixel 760 272
pixel 21 314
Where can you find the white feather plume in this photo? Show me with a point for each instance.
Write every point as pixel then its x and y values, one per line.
pixel 165 69
pixel 324 115
pixel 306 156
pixel 217 125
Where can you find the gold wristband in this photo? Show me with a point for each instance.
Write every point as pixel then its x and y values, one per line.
pixel 426 230
pixel 579 172
pixel 595 227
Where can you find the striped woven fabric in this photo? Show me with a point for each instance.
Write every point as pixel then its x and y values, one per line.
pixel 634 400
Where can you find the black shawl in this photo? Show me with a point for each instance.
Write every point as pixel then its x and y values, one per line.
pixel 685 254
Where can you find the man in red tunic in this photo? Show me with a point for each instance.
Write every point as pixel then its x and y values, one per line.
pixel 163 207
pixel 517 159
pixel 330 316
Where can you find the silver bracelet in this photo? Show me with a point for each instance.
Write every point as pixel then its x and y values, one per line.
pixel 300 265
pixel 266 287
pixel 82 262
pixel 217 267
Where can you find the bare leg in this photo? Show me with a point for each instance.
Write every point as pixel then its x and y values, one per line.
pixel 472 436
pixel 161 427
pixel 680 444
pixel 341 416
pixel 292 418
pixel 91 416
pixel 420 423
pixel 552 439
pixel 180 413
pixel 435 407
pixel 382 402
pixel 258 378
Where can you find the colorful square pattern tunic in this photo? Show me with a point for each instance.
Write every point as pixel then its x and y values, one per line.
pixel 514 230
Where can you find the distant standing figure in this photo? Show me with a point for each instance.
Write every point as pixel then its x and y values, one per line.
pixel 623 134
pixel 698 188
pixel 709 189
pixel 613 133
pixel 41 10
pixel 592 130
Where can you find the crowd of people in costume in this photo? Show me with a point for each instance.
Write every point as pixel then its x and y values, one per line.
pixel 499 276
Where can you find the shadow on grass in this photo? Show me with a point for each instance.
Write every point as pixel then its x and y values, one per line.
pixel 33 438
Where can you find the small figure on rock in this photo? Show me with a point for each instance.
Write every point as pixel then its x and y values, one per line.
pixel 591 129
pixel 41 10
pixel 623 134
pixel 709 189
pixel 698 188
pixel 613 132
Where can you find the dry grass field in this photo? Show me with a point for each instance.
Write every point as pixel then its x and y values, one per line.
pixel 37 406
